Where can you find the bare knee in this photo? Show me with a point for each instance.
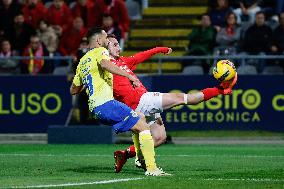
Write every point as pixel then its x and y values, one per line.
pixel 141 125
pixel 142 116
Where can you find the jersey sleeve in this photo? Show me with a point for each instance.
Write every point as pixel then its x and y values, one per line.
pixel 77 79
pixel 132 61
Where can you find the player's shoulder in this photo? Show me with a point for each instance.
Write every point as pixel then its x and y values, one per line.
pixel 100 51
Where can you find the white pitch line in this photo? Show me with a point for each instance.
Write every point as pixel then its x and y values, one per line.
pixel 174 155
pixel 239 179
pixel 77 184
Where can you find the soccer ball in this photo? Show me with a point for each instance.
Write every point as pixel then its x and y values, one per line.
pixel 224 70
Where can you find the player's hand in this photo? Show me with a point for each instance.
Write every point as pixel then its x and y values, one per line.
pixel 170 50
pixel 134 80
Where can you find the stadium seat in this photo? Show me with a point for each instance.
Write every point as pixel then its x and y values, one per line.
pixel 272 70
pixel 247 70
pixel 193 70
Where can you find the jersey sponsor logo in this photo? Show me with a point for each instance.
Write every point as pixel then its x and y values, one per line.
pixel 86 61
pixel 86 70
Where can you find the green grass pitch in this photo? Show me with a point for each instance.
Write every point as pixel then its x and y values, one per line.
pixel 192 166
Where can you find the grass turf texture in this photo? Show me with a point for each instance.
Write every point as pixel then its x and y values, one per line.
pixel 192 166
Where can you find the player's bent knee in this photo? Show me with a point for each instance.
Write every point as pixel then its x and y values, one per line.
pixel 140 126
pixel 142 116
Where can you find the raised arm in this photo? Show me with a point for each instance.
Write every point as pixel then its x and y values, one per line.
pixel 145 55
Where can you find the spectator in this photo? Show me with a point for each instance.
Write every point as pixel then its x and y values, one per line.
pixel 118 11
pixel 86 10
pixel 257 41
pixel 8 10
pixel 72 37
pixel 21 33
pixel 48 36
pixel 34 11
pixel 247 11
pixel 258 37
pixel 37 50
pixel 228 37
pixel 110 27
pixel 278 37
pixel 202 38
pixel 7 65
pixel 59 16
pixel 217 14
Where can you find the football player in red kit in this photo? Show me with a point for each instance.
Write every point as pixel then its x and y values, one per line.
pixel 151 104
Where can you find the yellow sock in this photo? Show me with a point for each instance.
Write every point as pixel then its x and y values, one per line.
pixel 147 148
pixel 135 138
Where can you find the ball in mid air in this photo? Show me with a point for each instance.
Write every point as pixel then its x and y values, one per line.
pixel 224 70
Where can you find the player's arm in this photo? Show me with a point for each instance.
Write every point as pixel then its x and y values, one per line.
pixel 76 89
pixel 77 85
pixel 107 65
pixel 145 55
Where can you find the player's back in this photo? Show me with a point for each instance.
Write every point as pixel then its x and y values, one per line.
pixel 98 82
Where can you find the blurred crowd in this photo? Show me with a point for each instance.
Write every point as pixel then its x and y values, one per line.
pixel 36 28
pixel 240 27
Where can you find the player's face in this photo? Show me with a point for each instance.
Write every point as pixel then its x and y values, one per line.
pixel 113 47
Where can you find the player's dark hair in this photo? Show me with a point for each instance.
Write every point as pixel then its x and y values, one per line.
pixel 111 36
pixel 92 32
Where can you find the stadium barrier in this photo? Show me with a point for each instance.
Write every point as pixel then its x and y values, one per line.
pixel 28 104
pixel 80 134
pixel 242 59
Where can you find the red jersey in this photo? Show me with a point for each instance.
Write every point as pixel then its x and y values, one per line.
pixel 122 87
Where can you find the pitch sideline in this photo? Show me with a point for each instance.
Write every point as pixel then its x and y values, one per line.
pixel 76 184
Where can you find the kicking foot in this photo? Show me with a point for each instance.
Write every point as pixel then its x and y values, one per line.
pixel 120 158
pixel 157 172
pixel 227 86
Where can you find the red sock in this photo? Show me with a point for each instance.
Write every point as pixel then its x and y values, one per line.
pixel 210 93
pixel 131 151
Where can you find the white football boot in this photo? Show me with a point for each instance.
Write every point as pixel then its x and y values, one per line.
pixel 157 172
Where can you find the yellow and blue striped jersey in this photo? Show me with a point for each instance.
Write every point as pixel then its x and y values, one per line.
pixel 98 82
